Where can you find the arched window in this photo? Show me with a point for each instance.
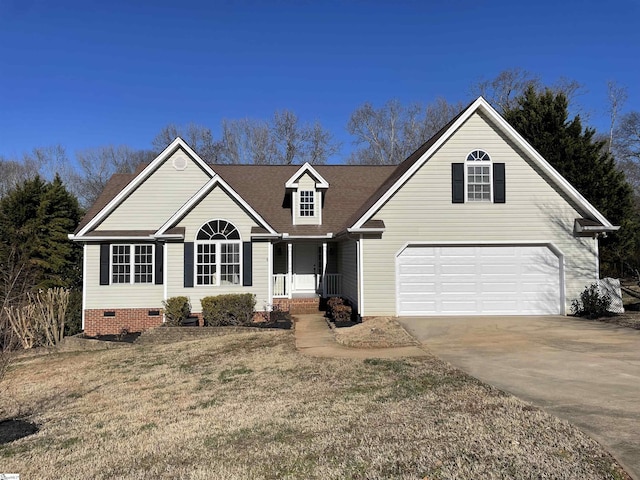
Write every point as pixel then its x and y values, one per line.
pixel 217 254
pixel 478 176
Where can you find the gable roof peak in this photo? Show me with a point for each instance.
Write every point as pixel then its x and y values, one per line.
pixel 306 168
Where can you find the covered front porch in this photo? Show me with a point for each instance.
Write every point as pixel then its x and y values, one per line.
pixel 305 269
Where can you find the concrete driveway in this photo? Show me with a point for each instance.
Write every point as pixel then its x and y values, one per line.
pixel 586 372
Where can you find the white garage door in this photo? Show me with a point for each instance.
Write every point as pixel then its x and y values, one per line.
pixel 478 280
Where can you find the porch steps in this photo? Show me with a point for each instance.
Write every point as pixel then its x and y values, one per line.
pixel 298 306
pixel 177 334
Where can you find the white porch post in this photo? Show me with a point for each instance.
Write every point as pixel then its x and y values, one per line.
pixel 271 277
pixel 290 270
pixel 324 267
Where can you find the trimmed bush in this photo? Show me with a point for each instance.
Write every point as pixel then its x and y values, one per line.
pixel 225 310
pixel 332 303
pixel 592 303
pixel 176 310
pixel 341 313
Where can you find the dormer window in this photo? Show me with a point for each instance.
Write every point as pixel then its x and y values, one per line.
pixel 478 176
pixel 307 204
pixel 307 189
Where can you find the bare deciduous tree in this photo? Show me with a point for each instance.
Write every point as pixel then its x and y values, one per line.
pixel 616 96
pixel 97 165
pixel 197 136
pixel 389 134
pixel 283 141
pixel 503 91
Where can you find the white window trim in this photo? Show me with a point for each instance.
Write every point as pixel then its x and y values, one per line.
pixel 218 244
pixel 132 264
pixel 478 163
pixel 313 203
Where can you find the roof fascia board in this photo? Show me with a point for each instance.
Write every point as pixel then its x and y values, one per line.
pixel 200 194
pixel 511 132
pixel 142 176
pixel 365 230
pixel 320 181
pixel 286 236
pixel 80 238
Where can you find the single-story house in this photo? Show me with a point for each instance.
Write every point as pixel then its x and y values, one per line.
pixel 474 222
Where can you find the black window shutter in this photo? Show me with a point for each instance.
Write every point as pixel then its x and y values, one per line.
pixel 499 184
pixel 159 263
pixel 457 182
pixel 247 264
pixel 188 264
pixel 104 264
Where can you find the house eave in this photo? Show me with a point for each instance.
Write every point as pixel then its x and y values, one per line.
pixel 111 238
pixel 286 236
pixel 365 230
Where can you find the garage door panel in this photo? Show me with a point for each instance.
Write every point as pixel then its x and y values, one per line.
pixel 480 280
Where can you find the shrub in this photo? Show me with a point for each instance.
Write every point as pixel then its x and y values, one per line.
pixel 332 303
pixel 232 309
pixel 592 303
pixel 341 313
pixel 176 310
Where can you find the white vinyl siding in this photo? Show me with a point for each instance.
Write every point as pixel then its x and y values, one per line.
pixel 159 196
pixel 534 211
pixel 144 295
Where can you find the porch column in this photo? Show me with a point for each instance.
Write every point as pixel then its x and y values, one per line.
pixel 270 276
pixel 290 270
pixel 324 267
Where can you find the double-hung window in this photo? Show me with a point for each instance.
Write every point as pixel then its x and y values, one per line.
pixel 307 204
pixel 218 254
pixel 478 176
pixel 132 264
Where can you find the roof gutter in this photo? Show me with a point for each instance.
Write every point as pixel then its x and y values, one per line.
pixel 365 230
pixel 286 236
pixel 76 238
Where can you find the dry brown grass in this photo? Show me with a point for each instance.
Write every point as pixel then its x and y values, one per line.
pixel 248 405
pixel 379 332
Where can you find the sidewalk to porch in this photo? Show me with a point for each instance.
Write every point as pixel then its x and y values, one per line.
pixel 315 338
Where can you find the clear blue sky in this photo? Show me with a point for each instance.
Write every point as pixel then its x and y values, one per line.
pixel 85 74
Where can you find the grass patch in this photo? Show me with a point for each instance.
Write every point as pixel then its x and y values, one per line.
pixel 248 405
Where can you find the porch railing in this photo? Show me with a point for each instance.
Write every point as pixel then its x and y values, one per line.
pixel 332 285
pixel 280 285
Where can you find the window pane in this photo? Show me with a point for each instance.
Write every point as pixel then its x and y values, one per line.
pixel 206 264
pixel 120 264
pixel 230 264
pixel 307 207
pixel 143 264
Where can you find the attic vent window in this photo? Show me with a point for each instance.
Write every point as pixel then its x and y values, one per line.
pixel 307 207
pixel 179 163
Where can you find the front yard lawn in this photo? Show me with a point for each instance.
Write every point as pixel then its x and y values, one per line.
pixel 248 405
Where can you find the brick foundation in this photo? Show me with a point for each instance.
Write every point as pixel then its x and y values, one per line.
pixel 299 306
pixel 131 319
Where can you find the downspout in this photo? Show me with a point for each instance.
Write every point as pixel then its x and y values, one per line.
pixel 84 281
pixel 360 245
pixel 165 276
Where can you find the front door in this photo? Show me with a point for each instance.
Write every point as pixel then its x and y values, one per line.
pixel 305 268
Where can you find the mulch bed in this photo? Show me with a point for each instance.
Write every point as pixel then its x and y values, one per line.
pixel 127 338
pixel 15 429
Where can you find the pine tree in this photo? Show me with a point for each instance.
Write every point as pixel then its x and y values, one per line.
pixel 542 118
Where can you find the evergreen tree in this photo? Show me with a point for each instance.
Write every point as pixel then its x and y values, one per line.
pixel 35 219
pixel 542 118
